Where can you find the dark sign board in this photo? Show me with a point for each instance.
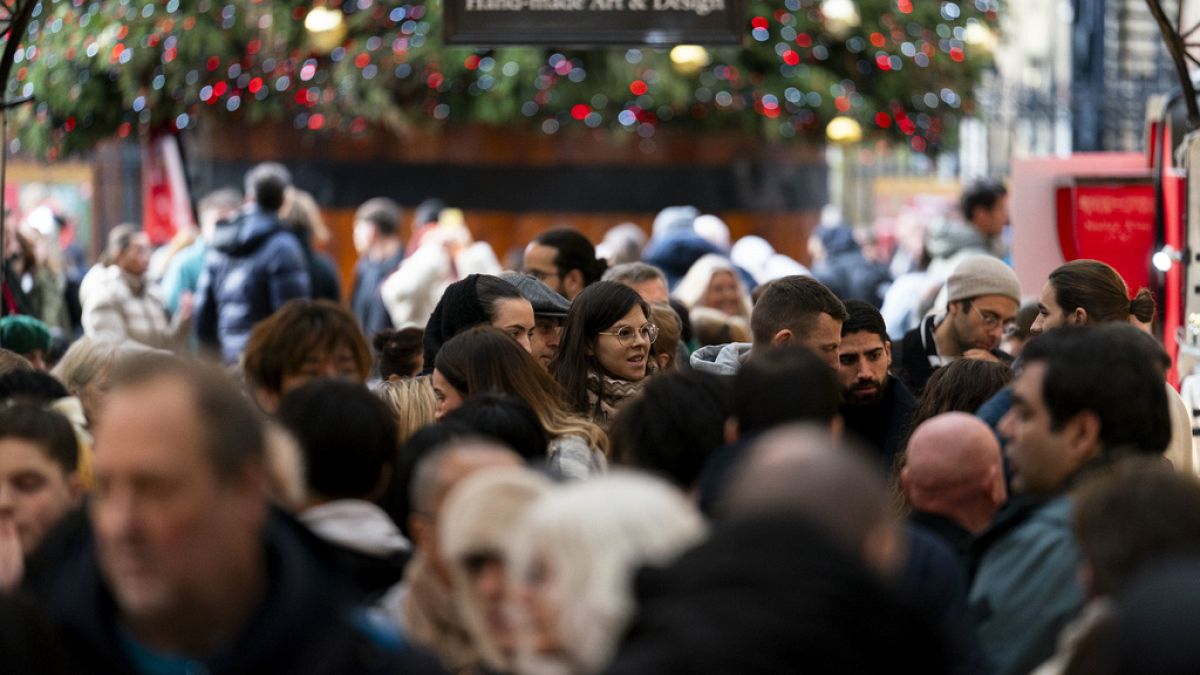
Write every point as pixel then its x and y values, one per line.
pixel 593 22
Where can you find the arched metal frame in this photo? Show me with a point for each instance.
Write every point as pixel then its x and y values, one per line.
pixel 1176 39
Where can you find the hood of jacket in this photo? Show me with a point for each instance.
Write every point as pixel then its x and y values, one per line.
pixel 952 237
pixel 246 233
pixel 357 525
pixel 838 240
pixel 720 359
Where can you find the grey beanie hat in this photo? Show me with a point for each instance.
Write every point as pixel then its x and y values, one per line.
pixel 544 300
pixel 982 275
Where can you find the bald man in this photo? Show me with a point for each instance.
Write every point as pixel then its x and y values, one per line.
pixel 953 477
pixel 801 470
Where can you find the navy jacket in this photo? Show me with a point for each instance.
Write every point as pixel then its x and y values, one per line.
pixel 365 300
pixel 305 625
pixel 253 268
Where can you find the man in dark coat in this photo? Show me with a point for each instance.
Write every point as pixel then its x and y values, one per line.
pixel 846 271
pixel 380 250
pixel 181 564
pixel 876 405
pixel 255 266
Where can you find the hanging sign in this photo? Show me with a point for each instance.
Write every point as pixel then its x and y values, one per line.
pixel 583 23
pixel 1112 222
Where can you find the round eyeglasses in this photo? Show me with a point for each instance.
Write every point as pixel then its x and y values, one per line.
pixel 991 321
pixel 626 335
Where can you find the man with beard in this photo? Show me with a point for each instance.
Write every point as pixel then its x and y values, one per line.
pixel 876 406
pixel 982 296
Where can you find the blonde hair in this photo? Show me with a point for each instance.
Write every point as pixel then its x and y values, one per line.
pixel 714 327
pixel 412 402
pixel 694 285
pixel 85 359
pixel 669 329
pixel 593 535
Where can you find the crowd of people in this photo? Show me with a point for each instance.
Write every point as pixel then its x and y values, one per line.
pixel 672 455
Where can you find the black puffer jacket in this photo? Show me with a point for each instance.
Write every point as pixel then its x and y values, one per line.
pixel 253 268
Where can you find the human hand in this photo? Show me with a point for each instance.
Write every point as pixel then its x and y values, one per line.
pixel 12 558
pixel 187 304
pixel 980 355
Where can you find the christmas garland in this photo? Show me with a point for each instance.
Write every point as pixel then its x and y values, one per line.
pixel 109 68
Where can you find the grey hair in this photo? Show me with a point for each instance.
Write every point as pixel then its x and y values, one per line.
pixel 633 273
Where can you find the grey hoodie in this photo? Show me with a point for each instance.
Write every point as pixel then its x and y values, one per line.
pixel 721 359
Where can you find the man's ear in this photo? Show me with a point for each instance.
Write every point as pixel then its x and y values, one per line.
pixel 993 485
pixel 573 282
pixel 1079 317
pixel 783 337
pixel 662 360
pixel 731 430
pixel 418 525
pixel 267 400
pixel 1083 435
pixel 887 351
pixel 75 489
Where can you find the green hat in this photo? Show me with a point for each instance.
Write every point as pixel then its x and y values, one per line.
pixel 23 334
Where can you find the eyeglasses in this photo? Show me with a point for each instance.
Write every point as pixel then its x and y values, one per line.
pixel 991 321
pixel 626 335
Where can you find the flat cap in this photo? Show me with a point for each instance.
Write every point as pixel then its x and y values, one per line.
pixel 544 300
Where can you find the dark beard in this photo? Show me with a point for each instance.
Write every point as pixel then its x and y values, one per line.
pixel 860 402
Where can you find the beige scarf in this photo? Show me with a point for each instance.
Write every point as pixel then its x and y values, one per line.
pixel 433 621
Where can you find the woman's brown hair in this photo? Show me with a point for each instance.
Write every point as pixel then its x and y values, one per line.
pixel 486 359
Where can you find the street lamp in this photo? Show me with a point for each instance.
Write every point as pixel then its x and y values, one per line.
pixel 326 28
pixel 689 59
pixel 841 16
pixel 979 35
pixel 843 130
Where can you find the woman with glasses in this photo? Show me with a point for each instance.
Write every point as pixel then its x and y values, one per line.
pixel 486 360
pixel 604 354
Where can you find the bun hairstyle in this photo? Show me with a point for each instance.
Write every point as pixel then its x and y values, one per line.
pixel 1099 290
pixel 1142 306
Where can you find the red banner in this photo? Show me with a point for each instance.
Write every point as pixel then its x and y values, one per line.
pixel 1111 222
pixel 166 207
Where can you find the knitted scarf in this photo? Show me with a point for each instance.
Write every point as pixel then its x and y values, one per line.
pixel 616 393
